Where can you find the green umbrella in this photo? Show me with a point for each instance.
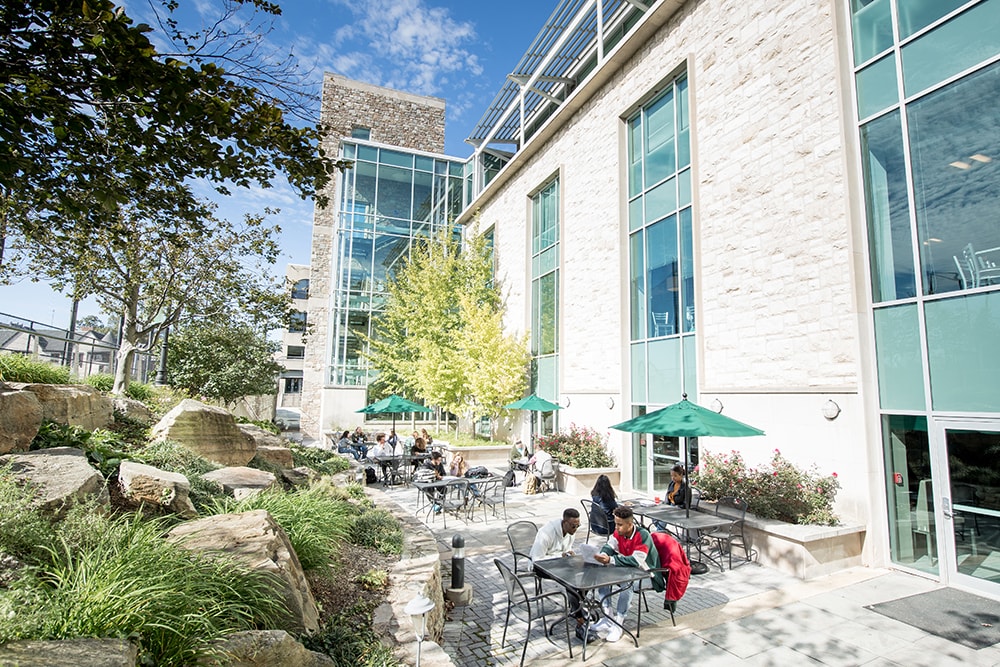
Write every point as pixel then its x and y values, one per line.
pixel 393 405
pixel 533 403
pixel 687 420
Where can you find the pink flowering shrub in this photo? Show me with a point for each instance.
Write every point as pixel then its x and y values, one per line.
pixel 777 491
pixel 579 447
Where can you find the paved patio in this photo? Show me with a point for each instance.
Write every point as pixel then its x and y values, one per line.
pixel 751 615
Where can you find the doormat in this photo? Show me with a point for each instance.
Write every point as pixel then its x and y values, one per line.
pixel 957 616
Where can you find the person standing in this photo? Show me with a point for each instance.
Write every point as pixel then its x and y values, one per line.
pixel 629 546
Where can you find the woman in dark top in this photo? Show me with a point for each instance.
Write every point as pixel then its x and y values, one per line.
pixel 605 500
pixel 677 489
pixel 344 445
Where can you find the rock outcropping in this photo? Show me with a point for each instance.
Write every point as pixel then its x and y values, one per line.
pixel 20 417
pixel 59 477
pixel 74 404
pixel 143 484
pixel 208 431
pixel 256 540
pixel 240 481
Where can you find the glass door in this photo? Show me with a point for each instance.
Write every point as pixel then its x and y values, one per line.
pixel 969 504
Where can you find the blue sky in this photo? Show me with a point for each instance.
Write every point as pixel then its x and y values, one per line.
pixel 458 50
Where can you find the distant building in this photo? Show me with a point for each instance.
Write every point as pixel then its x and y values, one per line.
pixel 293 346
pixel 401 188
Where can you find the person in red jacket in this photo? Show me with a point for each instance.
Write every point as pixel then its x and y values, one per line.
pixel 629 546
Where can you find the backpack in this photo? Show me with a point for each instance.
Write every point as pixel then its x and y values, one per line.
pixel 530 485
pixel 508 478
pixel 370 477
pixel 478 472
pixel 423 475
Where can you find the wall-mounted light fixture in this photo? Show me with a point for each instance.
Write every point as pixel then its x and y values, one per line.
pixel 716 405
pixel 610 402
pixel 565 402
pixel 831 410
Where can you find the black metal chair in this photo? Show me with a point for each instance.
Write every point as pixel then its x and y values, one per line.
pixel 489 494
pixel 597 520
pixel 647 585
pixel 521 535
pixel 453 499
pixel 517 596
pixel 727 538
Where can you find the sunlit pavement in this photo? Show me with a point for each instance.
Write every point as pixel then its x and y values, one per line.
pixel 751 615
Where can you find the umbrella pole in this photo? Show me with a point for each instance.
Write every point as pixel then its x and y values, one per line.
pixel 697 567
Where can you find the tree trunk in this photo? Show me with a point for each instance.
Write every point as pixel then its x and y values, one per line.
pixel 129 341
pixel 123 373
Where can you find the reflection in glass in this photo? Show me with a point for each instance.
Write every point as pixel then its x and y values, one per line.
pixel 877 88
pixel 917 14
pixel 910 492
pixel 974 469
pixel 660 158
pixel 956 173
pixel 661 277
pixel 872 28
pixel 889 235
pixel 962 352
pixel 898 357
pixel 637 286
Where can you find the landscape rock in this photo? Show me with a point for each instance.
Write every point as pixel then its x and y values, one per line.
pixel 141 484
pixel 208 431
pixel 256 540
pixel 241 481
pixel 70 653
pixel 262 437
pixel 265 648
pixel 300 476
pixel 132 408
pixel 277 456
pixel 73 404
pixel 20 417
pixel 59 476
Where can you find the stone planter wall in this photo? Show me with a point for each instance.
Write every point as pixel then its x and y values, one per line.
pixel 805 552
pixel 494 457
pixel 578 482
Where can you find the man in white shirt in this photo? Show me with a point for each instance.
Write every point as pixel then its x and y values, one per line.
pixel 555 540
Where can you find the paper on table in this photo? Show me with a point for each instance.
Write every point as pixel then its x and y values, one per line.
pixel 587 552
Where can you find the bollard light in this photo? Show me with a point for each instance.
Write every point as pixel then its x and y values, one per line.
pixel 417 609
pixel 457 562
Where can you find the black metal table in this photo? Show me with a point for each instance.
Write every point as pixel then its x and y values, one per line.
pixel 585 577
pixel 690 522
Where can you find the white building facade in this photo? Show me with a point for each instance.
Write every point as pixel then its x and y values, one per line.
pixel 784 211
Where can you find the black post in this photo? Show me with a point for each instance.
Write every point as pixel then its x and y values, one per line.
pixel 458 562
pixel 161 372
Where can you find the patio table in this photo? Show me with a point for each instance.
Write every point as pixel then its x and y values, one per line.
pixel 584 576
pixel 692 523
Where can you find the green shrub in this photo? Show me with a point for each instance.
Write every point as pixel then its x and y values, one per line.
pixel 323 461
pixel 133 432
pixel 378 529
pixel 315 522
pixel 105 449
pixel 101 381
pixel 349 640
pixel 579 447
pixel 140 391
pixel 270 427
pixel 777 491
pixel 19 368
pixel 374 580
pixel 133 583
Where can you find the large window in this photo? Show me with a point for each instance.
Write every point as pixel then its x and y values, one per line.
pixel 661 263
pixel 545 298
pixel 389 197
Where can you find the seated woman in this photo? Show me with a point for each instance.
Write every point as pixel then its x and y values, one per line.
pixel 605 500
pixel 428 440
pixel 458 466
pixel 677 489
pixel 418 453
pixel 344 445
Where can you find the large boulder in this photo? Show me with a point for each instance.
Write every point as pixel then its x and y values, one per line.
pixel 266 648
pixel 70 653
pixel 142 484
pixel 73 404
pixel 300 476
pixel 257 541
pixel 59 477
pixel 270 447
pixel 241 481
pixel 132 408
pixel 20 417
pixel 208 431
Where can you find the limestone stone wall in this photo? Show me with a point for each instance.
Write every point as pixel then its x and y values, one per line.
pixel 394 118
pixel 776 312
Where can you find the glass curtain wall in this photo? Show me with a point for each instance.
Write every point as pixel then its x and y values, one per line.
pixel 931 169
pixel 545 302
pixel 388 199
pixel 661 271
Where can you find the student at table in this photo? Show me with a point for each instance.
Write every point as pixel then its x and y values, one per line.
pixel 629 546
pixel 345 446
pixel 605 500
pixel 458 466
pixel 381 452
pixel 436 463
pixel 677 490
pixel 555 540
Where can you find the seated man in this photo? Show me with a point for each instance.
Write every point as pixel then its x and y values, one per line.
pixel 382 453
pixel 555 540
pixel 629 546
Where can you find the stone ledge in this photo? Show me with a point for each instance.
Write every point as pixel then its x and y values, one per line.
pixel 804 551
pixel 579 481
pixel 418 571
